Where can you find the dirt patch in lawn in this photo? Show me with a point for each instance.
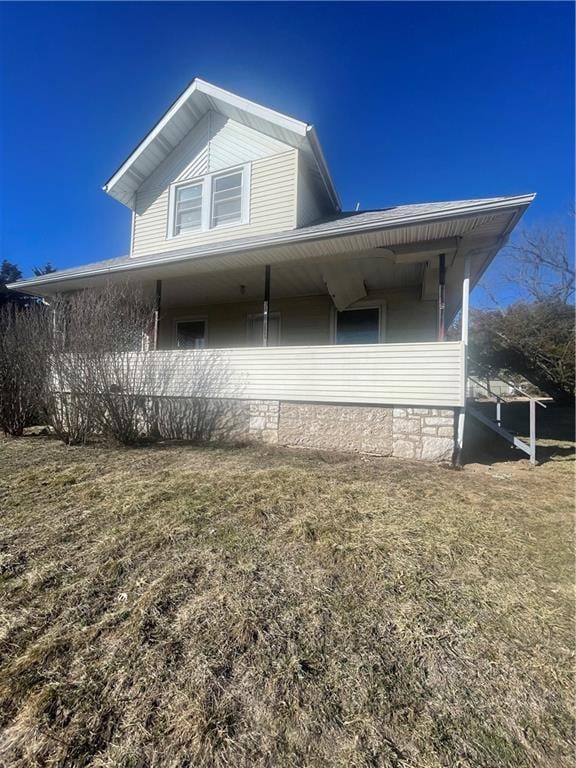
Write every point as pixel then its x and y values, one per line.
pixel 184 606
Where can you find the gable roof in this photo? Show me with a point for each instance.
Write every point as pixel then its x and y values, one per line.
pixel 198 98
pixel 492 218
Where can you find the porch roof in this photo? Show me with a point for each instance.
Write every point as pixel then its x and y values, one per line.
pixel 405 234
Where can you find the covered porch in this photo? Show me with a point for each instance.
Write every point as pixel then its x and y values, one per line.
pixel 331 336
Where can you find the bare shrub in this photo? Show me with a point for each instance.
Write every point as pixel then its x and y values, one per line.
pixel 105 379
pixel 23 365
pixel 200 419
pixel 195 398
pixel 100 375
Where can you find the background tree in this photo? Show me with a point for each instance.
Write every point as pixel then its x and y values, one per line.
pixel 47 269
pixel 541 265
pixel 9 273
pixel 23 365
pixel 534 336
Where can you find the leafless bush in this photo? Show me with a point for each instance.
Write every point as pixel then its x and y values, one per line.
pixel 200 419
pixel 104 378
pixel 22 365
pixel 195 399
pixel 99 372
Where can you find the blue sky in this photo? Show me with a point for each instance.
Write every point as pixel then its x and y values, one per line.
pixel 412 102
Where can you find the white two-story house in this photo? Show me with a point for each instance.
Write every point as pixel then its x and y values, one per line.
pixel 331 323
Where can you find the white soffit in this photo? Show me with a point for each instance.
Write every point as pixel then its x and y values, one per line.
pixel 481 224
pixel 187 111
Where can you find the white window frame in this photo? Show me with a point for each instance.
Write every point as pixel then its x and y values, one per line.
pixel 207 183
pixel 190 319
pixel 363 304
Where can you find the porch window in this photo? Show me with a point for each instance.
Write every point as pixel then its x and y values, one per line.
pixel 191 334
pixel 256 330
pixel 358 326
pixel 188 208
pixel 226 199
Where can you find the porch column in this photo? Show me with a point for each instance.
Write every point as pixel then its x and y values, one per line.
pixel 157 307
pixel 464 337
pixel 266 306
pixel 441 295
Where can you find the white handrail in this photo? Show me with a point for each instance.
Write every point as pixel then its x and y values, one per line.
pixel 531 404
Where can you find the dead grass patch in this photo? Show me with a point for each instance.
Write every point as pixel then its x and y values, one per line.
pixel 190 606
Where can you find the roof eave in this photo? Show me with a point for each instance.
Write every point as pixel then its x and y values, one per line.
pixel 323 168
pixel 520 202
pixel 289 123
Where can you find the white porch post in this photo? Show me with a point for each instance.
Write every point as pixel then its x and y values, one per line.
pixel 266 309
pixel 465 324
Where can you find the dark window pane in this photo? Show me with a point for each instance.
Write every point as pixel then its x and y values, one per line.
pixel 190 334
pixel 357 326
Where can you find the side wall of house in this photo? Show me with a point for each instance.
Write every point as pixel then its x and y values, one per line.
pixel 312 203
pixel 272 209
pixel 305 320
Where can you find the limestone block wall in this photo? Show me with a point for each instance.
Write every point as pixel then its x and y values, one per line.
pixel 263 423
pixel 423 433
pixel 405 433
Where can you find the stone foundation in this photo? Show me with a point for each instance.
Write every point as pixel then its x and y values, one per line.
pixel 263 422
pixel 405 433
pixel 423 433
pixel 336 427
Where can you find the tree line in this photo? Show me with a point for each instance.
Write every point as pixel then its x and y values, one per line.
pixel 532 337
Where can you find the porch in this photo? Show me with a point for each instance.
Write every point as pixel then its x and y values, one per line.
pixel 347 353
pixel 329 336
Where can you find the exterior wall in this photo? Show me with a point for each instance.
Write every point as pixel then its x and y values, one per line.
pixel 428 375
pixel 409 320
pixel 303 320
pixel 426 434
pixel 272 208
pixel 311 203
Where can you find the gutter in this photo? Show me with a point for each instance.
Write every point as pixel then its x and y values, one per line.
pixel 297 236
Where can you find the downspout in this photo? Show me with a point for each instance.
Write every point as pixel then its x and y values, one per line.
pixel 441 296
pixel 266 308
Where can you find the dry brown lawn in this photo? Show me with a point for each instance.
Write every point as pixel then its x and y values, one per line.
pixel 243 607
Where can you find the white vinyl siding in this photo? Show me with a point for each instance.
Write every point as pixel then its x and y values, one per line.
pixel 312 202
pixel 430 375
pixel 232 143
pixel 272 196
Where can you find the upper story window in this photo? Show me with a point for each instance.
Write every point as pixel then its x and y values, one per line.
pixel 188 211
pixel 226 198
pixel 217 200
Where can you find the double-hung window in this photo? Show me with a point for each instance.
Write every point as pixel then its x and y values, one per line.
pixel 226 199
pixel 217 200
pixel 188 208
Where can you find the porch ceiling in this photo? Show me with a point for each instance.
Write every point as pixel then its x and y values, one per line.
pixel 397 247
pixel 376 268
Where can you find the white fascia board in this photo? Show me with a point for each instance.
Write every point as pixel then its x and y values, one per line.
pixel 285 238
pixel 149 138
pixel 323 167
pixel 251 107
pixel 288 123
